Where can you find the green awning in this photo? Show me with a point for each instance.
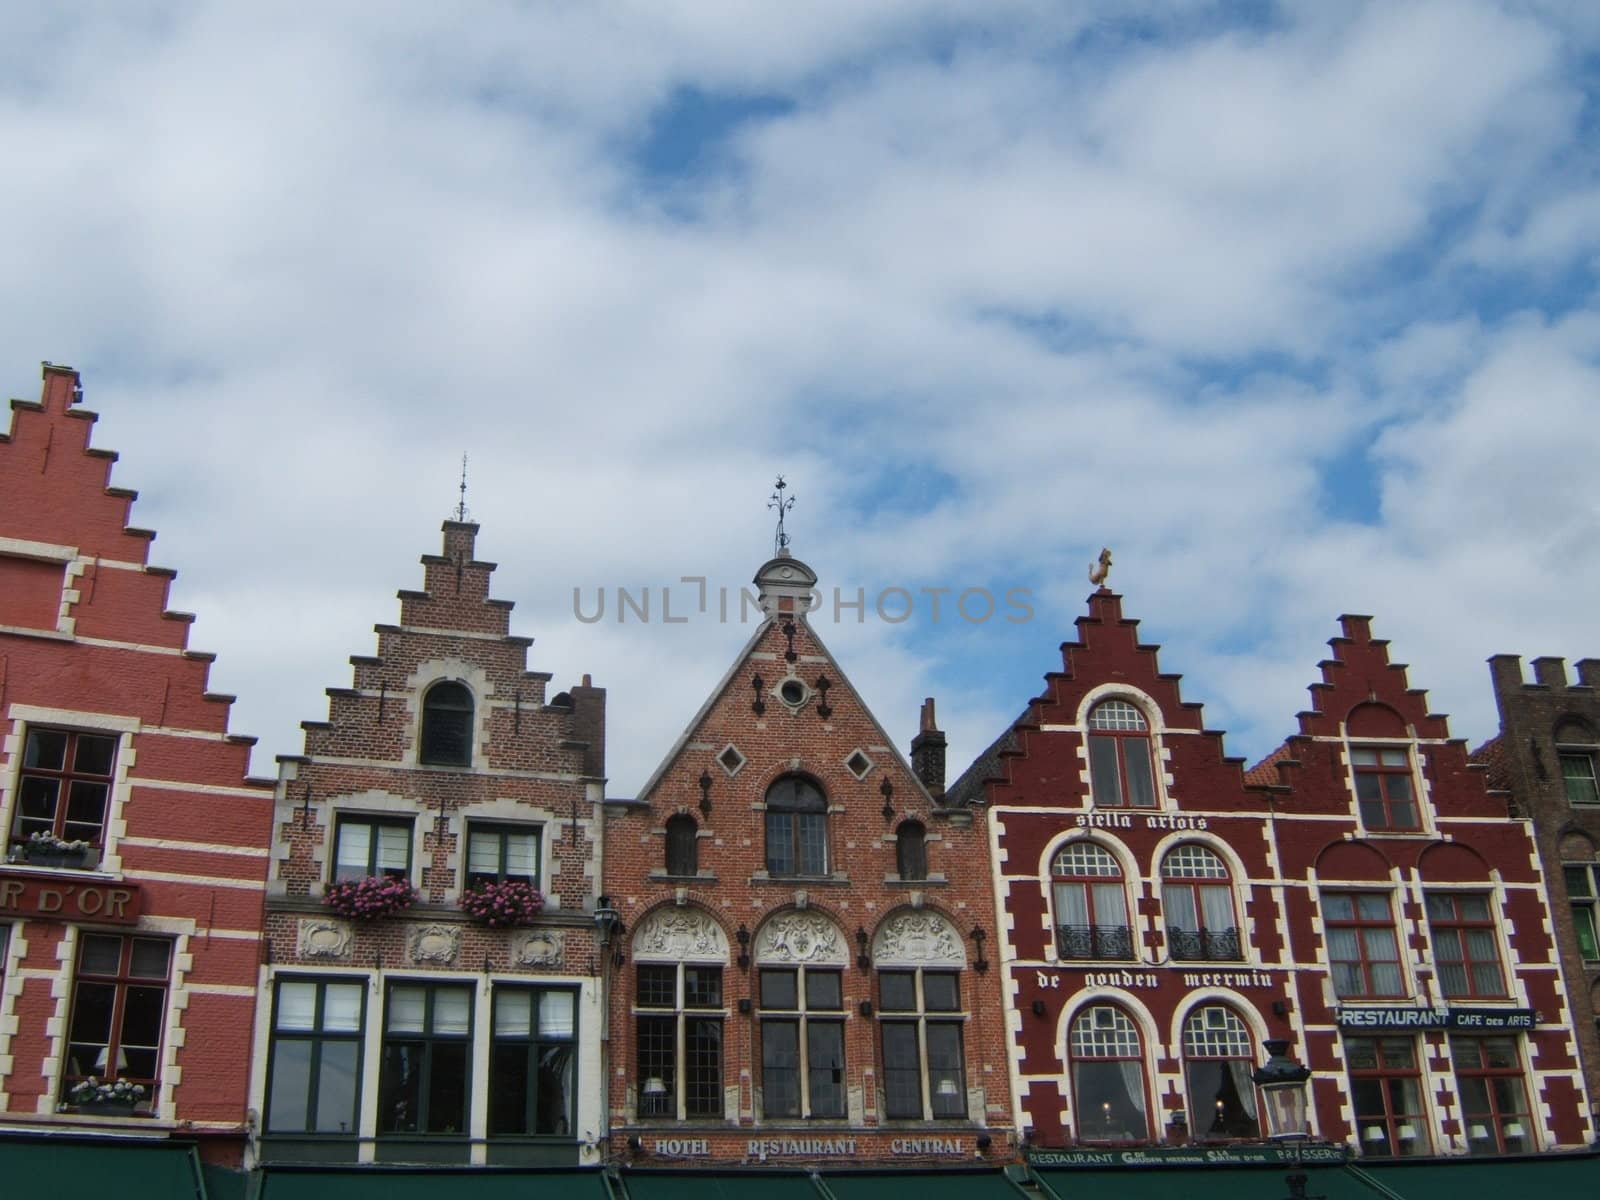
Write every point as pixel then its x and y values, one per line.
pixel 770 1184
pixel 1549 1177
pixel 1206 1183
pixel 153 1169
pixel 429 1183
pixel 924 1183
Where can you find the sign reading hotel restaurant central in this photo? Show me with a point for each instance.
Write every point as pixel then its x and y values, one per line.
pixel 780 1147
pixel 113 903
pixel 1436 1018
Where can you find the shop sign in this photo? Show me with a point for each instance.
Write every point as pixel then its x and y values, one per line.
pixel 924 1146
pixel 776 1147
pixel 1351 1017
pixel 112 903
pixel 1189 1156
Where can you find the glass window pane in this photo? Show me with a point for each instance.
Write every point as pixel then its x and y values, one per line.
pixel 1103 774
pixel 658 986
pixel 513 1012
pixel 92 1006
pixel 522 854
pixel 946 1073
pixel 780 1068
pixel 1136 757
pixel 508 1088
pixel 337 1080
pixel 447 1088
pixel 341 1007
pixel 86 806
pixel 289 1101
pixel 407 1009
pixel 823 991
pixel 1372 906
pixel 94 754
pixel 394 848
pixel 902 1072
pixel 778 990
pixel 553 1103
pixel 1578 881
pixel 702 987
pixel 557 1014
pixel 297 1005
pixel 1584 926
pixel 483 852
pixel 940 992
pixel 1338 906
pixel 897 991
pixel 780 843
pixel 100 955
pixel 46 749
pixel 142 1011
pixel 452 1011
pixel 1397 758
pixel 149 958
pixel 355 845
pixel 825 1067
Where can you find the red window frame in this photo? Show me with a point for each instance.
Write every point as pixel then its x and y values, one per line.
pixel 1391 1074
pixel 64 778
pixel 1384 786
pixel 122 982
pixel 1495 1114
pixel 1094 939
pixel 1204 942
pixel 1117 791
pixel 1361 926
pixel 1453 945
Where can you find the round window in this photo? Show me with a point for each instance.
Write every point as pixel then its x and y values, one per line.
pixel 792 692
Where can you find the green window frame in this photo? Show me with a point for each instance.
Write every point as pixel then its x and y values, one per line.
pixel 1583 889
pixel 1578 775
pixel 315 1059
pixel 366 846
pixel 533 1061
pixel 425 1079
pixel 498 852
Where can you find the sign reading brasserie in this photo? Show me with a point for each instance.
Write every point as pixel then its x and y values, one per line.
pixel 115 903
pixel 1188 1156
pixel 1351 1017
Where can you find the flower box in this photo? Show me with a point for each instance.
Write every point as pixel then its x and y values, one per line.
pixel 503 903
pixel 108 1108
pixel 108 1098
pixel 44 850
pixel 369 899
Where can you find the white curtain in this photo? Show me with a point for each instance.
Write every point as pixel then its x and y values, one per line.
pixel 1217 905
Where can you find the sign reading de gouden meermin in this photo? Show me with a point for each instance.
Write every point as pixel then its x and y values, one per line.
pixel 113 903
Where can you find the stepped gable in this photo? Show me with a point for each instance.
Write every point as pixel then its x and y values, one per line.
pixel 1360 673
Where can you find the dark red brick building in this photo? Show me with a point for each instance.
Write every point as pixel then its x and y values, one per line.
pixel 806 974
pixel 1361 895
pixel 136 846
pixel 419 1004
pixel 1544 760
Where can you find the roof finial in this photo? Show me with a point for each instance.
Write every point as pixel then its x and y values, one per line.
pixel 1099 571
pixel 780 541
pixel 461 513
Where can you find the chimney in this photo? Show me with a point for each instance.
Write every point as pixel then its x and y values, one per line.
pixel 927 752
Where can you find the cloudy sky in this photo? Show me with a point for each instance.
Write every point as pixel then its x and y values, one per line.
pixel 1292 305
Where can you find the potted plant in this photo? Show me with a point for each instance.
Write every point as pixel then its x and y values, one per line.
pixel 502 903
pixel 43 849
pixel 112 1098
pixel 369 899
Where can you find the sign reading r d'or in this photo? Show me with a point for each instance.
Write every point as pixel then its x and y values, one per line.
pixel 113 903
pixel 1351 1017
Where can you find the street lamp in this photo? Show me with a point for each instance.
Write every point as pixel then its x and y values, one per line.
pixel 1283 1091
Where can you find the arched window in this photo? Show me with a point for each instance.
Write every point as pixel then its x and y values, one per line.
pixel 1108 1076
pixel 683 845
pixel 1091 904
pixel 1119 756
pixel 447 726
pixel 911 850
pixel 1218 1056
pixel 1198 899
pixel 797 828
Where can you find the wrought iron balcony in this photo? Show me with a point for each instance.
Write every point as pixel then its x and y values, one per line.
pixel 1203 945
pixel 1080 942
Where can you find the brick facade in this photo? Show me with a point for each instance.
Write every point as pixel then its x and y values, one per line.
pixel 1161 922
pixel 137 956
pixel 839 912
pixel 1549 730
pixel 510 788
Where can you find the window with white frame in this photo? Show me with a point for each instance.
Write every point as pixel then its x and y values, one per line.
pixel 1091 904
pixel 314 1063
pixel 365 846
pixel 1106 1055
pixel 1583 889
pixel 1197 897
pixel 1218 1058
pixel 1120 771
pixel 63 796
pixel 1576 752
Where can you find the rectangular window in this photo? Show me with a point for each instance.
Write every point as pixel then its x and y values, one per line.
pixel 499 852
pixel 1583 886
pixel 1363 952
pixel 802 1042
pixel 119 1009
pixel 1577 772
pixel 372 846
pixel 1386 1092
pixel 423 1086
pixel 687 1035
pixel 924 1063
pixel 1466 949
pixel 531 1080
pixel 1384 788
pixel 1494 1101
pixel 63 794
pixel 315 1066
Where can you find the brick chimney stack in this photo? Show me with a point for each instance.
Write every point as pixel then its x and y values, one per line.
pixel 927 752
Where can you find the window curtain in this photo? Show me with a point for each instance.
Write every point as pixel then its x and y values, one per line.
pixel 1217 905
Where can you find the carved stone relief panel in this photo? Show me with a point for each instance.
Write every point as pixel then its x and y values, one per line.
pixel 918 939
pixel 540 948
pixel 320 937
pixel 800 937
pixel 435 944
pixel 676 934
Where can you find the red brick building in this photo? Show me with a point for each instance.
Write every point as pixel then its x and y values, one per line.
pixel 416 1008
pixel 1361 895
pixel 805 976
pixel 136 847
pixel 1545 760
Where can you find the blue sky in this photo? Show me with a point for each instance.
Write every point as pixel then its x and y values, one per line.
pixel 1293 305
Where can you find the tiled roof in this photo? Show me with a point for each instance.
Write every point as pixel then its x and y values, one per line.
pixel 1265 772
pixel 1492 755
pixel 969 787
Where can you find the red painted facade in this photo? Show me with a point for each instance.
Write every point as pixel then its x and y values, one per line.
pixel 1165 912
pixel 130 926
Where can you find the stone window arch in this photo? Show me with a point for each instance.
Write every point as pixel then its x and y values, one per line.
pixel 446 735
pixel 1106 1057
pixel 1121 768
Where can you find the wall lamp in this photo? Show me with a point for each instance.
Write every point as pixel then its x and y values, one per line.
pixel 743 936
pixel 979 964
pixel 863 959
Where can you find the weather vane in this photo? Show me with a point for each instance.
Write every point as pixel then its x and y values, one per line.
pixel 780 541
pixel 1099 571
pixel 461 513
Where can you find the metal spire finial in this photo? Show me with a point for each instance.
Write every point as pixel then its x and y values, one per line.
pixel 461 513
pixel 780 541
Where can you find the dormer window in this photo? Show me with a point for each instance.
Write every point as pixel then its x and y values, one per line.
pixel 1383 788
pixel 1119 757
pixel 683 845
pixel 911 850
pixel 447 726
